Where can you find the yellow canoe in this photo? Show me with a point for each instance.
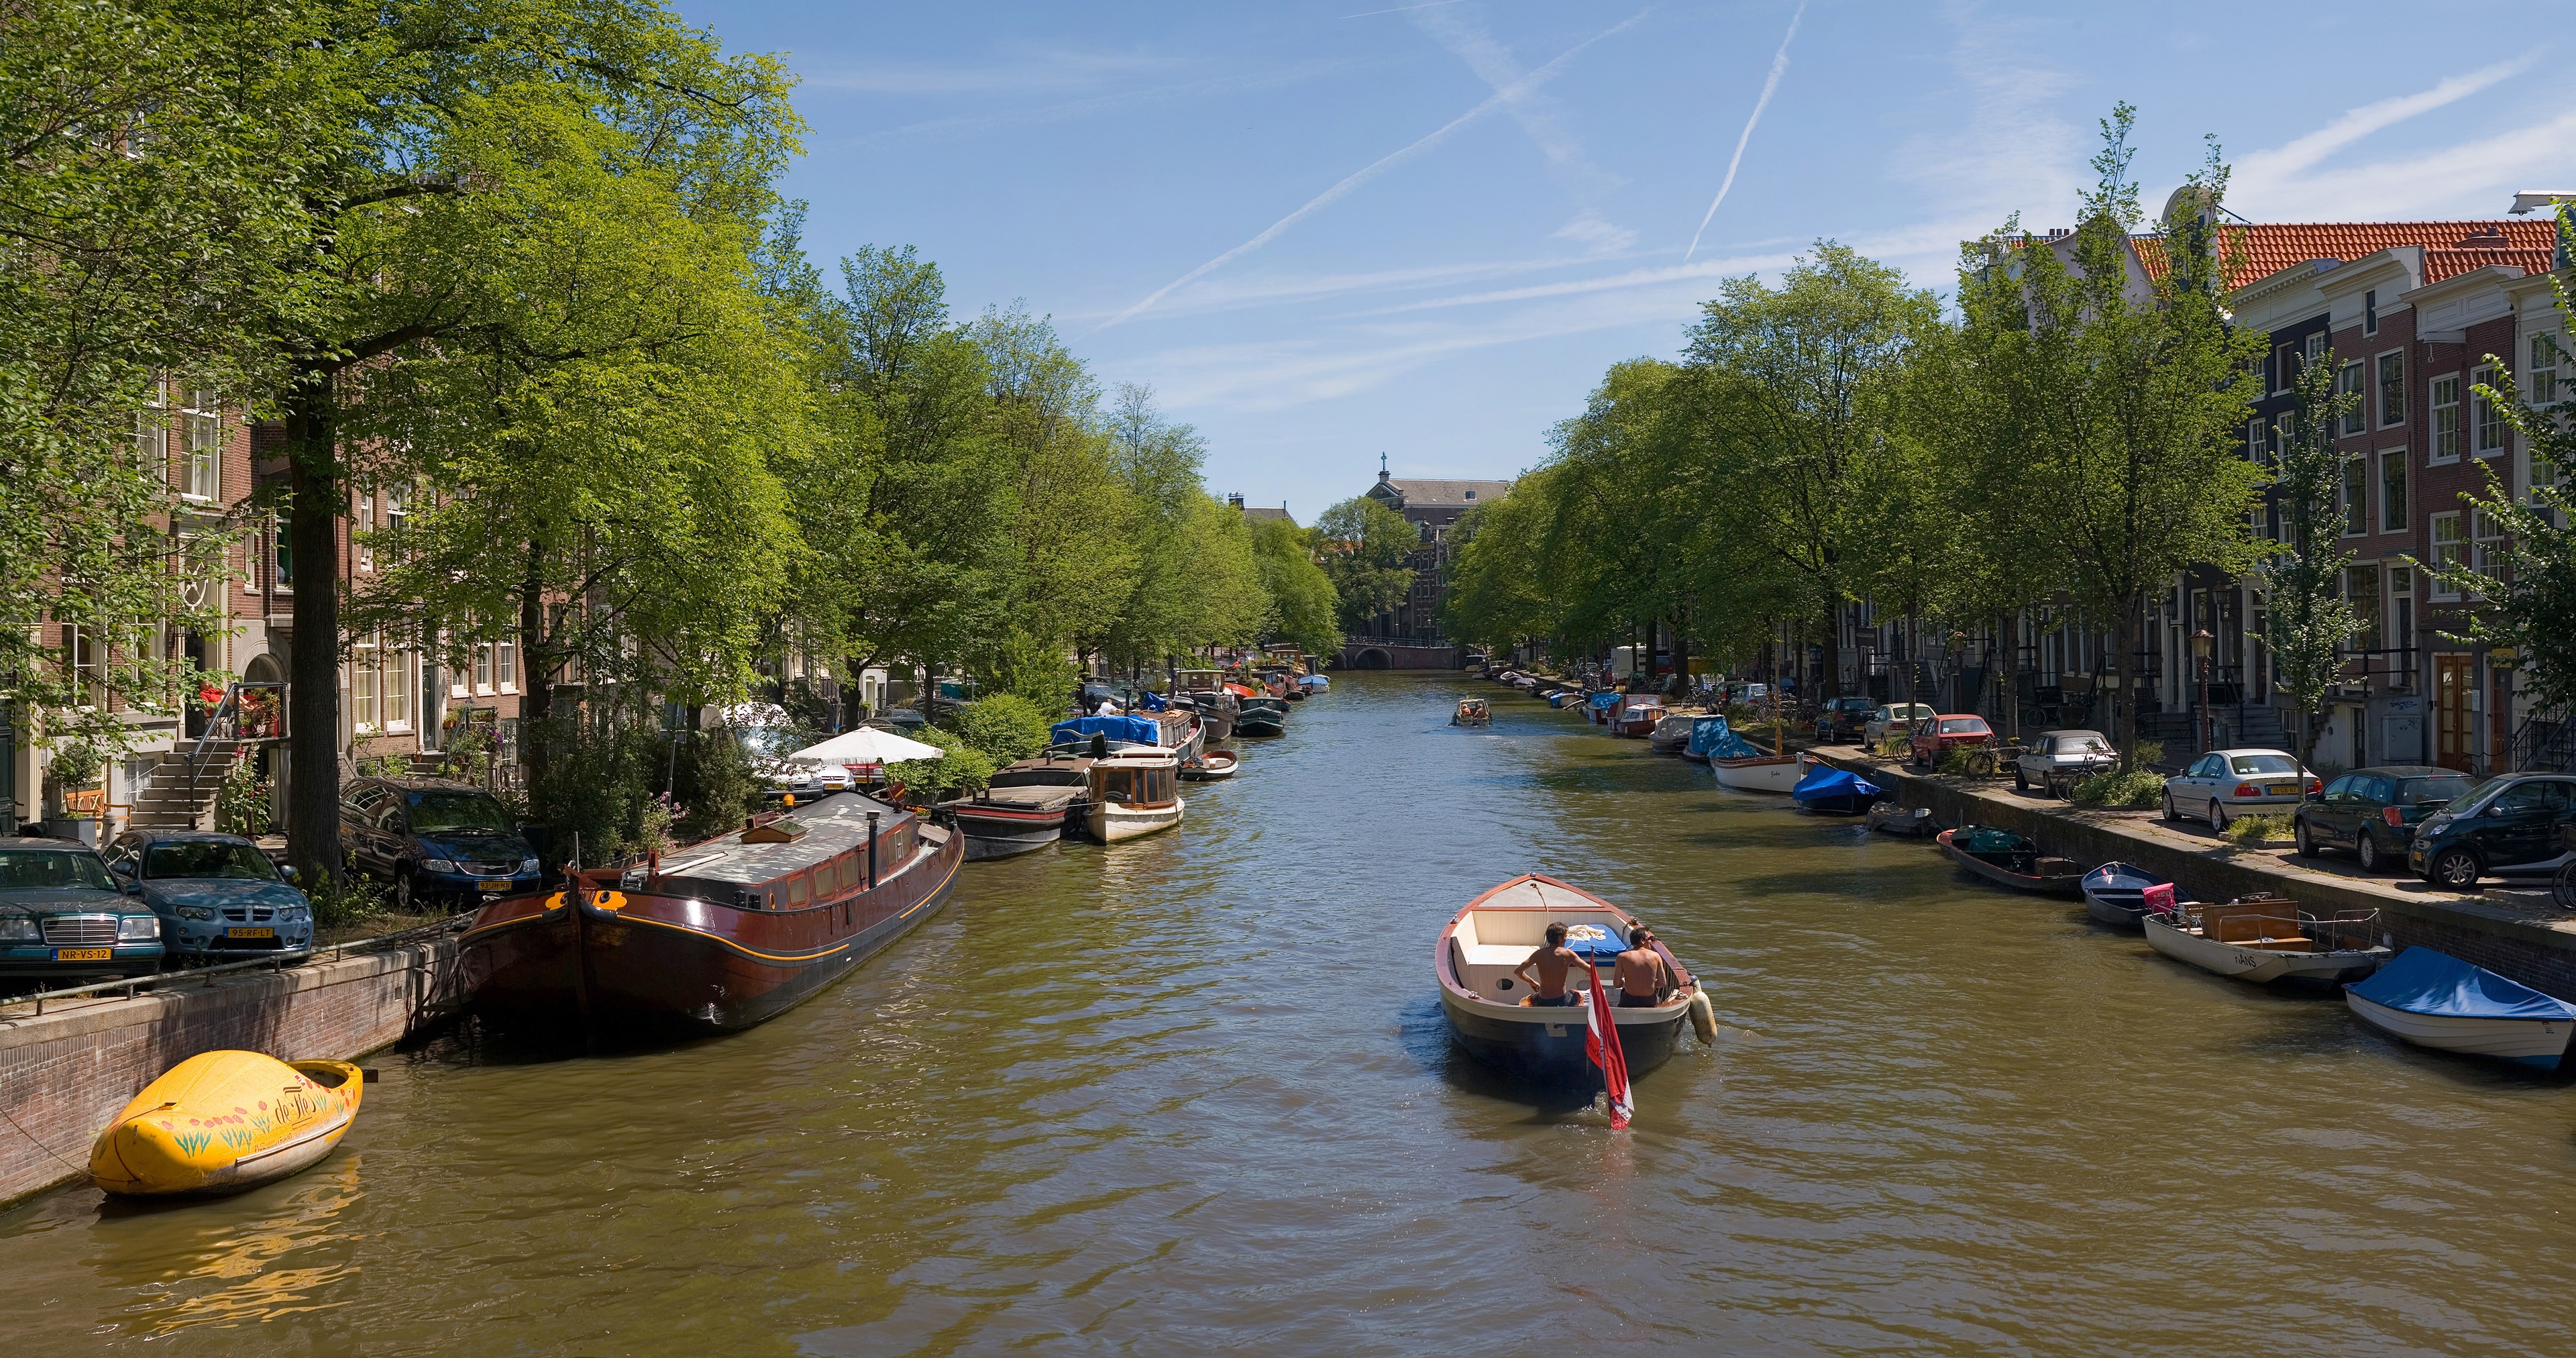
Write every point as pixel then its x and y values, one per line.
pixel 224 1121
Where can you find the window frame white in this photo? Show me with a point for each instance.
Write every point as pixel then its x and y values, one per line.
pixel 2387 385
pixel 201 430
pixel 2435 411
pixel 2392 508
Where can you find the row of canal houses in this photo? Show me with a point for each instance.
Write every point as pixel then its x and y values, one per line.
pixel 2414 315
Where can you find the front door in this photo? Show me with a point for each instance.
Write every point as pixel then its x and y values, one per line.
pixel 2451 678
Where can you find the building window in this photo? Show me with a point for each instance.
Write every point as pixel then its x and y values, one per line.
pixel 2446 419
pixel 396 514
pixel 2356 496
pixel 152 431
pixel 2285 428
pixel 202 423
pixel 2450 547
pixel 2542 386
pixel 2284 363
pixel 2401 609
pixel 2348 382
pixel 2486 544
pixel 2488 416
pixel 396 688
pixel 2392 388
pixel 366 659
pixel 483 663
pixel 2370 312
pixel 86 656
pixel 363 517
pixel 2255 439
pixel 2312 349
pixel 2361 589
pixel 2392 491
pixel 505 666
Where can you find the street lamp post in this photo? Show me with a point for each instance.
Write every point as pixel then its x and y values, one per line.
pixel 2200 640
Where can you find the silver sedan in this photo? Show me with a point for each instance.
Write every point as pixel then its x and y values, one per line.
pixel 2224 784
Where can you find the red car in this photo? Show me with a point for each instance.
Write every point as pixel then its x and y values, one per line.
pixel 1931 740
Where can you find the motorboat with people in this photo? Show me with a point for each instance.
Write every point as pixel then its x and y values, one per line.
pixel 722 935
pixel 2264 938
pixel 2011 861
pixel 2435 1000
pixel 1830 791
pixel 1496 1018
pixel 1471 712
pixel 1133 792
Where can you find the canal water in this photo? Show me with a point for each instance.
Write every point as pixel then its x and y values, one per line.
pixel 1194 1093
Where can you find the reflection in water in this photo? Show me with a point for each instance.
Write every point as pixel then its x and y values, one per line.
pixel 1193 1092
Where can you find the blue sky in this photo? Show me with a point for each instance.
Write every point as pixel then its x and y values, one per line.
pixel 1322 231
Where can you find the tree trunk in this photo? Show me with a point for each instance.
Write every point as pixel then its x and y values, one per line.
pixel 1832 687
pixel 2008 639
pixel 2124 633
pixel 537 684
pixel 314 506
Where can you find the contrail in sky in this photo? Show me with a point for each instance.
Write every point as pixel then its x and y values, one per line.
pixel 1375 168
pixel 1779 66
pixel 1435 4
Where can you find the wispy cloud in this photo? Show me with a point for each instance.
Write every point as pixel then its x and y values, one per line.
pixel 2265 168
pixel 1400 9
pixel 1066 110
pixel 1770 86
pixel 1633 278
pixel 1356 179
pixel 1536 111
pixel 2475 178
pixel 1051 71
pixel 1260 289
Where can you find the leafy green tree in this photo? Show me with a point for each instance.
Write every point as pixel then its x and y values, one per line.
pixel 1365 546
pixel 2310 620
pixel 1004 726
pixel 1300 594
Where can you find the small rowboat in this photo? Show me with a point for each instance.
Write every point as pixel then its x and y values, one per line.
pixel 2116 894
pixel 1213 765
pixel 1471 712
pixel 2010 861
pixel 1759 773
pixel 1829 791
pixel 1911 821
pixel 2433 999
pixel 2261 939
pixel 1488 1014
pixel 224 1121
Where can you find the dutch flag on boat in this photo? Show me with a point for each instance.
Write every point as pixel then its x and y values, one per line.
pixel 1601 1043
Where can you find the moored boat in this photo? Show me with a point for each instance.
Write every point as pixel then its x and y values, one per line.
pixel 1914 822
pixel 1671 734
pixel 224 1121
pixel 1314 683
pixel 2116 894
pixel 2011 861
pixel 1830 791
pixel 1211 766
pixel 1758 773
pixel 719 936
pixel 1134 793
pixel 2260 939
pixel 1488 1010
pixel 2433 999
pixel 1636 715
pixel 1026 806
pixel 1262 716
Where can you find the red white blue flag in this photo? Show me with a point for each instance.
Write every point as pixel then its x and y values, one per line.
pixel 1601 1043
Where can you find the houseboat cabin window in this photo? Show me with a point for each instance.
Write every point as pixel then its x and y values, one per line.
pixel 798 891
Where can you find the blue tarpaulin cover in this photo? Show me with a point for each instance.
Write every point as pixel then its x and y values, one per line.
pixel 2422 981
pixel 1825 781
pixel 1154 702
pixel 1712 738
pixel 1133 730
pixel 1596 943
pixel 1606 701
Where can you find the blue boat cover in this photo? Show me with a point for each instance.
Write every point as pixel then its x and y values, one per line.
pixel 2422 981
pixel 1602 951
pixel 1154 702
pixel 1133 730
pixel 1824 782
pixel 1606 701
pixel 1313 681
pixel 1712 738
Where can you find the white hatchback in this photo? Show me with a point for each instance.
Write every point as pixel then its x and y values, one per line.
pixel 1895 719
pixel 2224 784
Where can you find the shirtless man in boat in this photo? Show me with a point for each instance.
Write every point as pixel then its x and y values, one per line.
pixel 1553 962
pixel 1643 977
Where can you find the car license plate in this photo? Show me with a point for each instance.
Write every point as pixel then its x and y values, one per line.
pixel 83 954
pixel 493 884
pixel 2280 789
pixel 250 933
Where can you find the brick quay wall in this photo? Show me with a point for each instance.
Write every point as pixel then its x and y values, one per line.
pixel 65 1072
pixel 2511 933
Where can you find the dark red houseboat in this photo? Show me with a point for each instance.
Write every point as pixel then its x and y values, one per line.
pixel 719 936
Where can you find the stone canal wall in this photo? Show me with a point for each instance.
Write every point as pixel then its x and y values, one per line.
pixel 65 1072
pixel 2507 932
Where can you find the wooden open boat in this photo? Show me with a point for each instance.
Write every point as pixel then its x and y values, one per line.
pixel 2010 861
pixel 1496 932
pixel 224 1121
pixel 1134 793
pixel 2260 939
pixel 1759 773
pixel 1471 712
pixel 1889 818
pixel 1211 766
pixel 721 935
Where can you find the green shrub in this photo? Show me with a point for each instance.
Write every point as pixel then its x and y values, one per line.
pixel 1004 727
pixel 242 805
pixel 2134 790
pixel 963 770
pixel 346 898
pixel 2147 752
pixel 2256 829
pixel 713 782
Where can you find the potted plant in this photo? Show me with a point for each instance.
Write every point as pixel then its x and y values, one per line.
pixel 76 769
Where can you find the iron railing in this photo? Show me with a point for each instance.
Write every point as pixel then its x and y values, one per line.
pixel 277 961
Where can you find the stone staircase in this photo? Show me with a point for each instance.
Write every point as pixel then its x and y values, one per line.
pixel 169 801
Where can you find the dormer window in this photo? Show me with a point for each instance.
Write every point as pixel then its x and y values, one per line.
pixel 1471 495
pixel 2370 312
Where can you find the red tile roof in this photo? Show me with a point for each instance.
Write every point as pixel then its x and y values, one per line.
pixel 2450 248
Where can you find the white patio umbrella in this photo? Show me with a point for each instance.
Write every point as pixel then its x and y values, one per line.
pixel 867 745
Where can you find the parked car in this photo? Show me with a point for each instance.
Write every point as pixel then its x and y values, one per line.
pixel 1842 720
pixel 63 918
pixel 2520 825
pixel 1894 719
pixel 215 894
pixel 2374 812
pixel 435 840
pixel 2057 760
pixel 2224 784
pixel 1929 740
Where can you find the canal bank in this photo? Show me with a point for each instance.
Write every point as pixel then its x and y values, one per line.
pixel 66 1071
pixel 2512 933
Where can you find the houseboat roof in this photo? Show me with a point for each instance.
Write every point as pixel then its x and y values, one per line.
pixel 832 825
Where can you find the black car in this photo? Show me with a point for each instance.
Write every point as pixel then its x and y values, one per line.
pixel 1839 722
pixel 63 918
pixel 2374 812
pixel 2520 825
pixel 437 840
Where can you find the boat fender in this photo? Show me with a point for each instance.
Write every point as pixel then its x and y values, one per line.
pixel 1703 1017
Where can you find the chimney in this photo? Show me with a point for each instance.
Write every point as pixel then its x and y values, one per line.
pixel 1235 501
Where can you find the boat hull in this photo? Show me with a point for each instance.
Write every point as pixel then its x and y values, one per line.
pixel 1758 775
pixel 2260 966
pixel 223 1122
pixel 1002 832
pixel 614 965
pixel 2539 1043
pixel 2069 885
pixel 1547 1046
pixel 2124 912
pixel 1254 721
pixel 1111 822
